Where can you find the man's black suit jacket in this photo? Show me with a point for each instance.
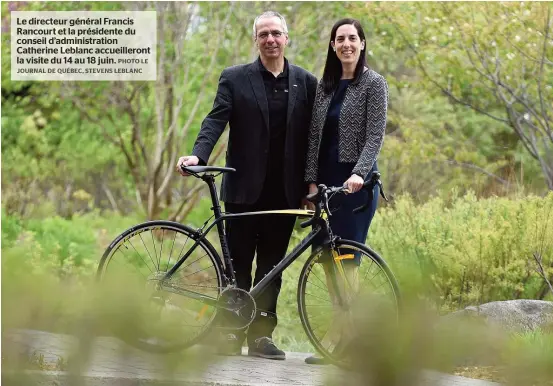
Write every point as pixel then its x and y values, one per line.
pixel 241 101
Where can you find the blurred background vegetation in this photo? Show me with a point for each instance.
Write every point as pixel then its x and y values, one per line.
pixel 467 159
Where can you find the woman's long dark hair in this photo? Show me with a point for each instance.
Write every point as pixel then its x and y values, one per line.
pixel 333 67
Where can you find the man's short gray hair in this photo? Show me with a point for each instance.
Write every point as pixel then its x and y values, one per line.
pixel 269 14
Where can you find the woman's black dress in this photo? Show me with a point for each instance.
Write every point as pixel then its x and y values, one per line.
pixel 334 173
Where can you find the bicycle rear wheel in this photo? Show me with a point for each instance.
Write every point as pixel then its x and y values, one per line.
pixel 139 258
pixel 336 287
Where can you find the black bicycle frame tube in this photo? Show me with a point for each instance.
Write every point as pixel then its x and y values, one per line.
pixel 182 259
pixel 229 271
pixel 222 236
pixel 262 285
pixel 209 300
pixel 284 263
pixel 220 228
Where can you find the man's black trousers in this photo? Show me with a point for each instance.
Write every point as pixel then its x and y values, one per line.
pixel 268 236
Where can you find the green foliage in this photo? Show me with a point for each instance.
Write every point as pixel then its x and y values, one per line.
pixel 529 357
pixel 455 251
pixel 85 313
pixel 469 251
pixel 56 246
pixel 492 57
pixel 63 137
pixel 435 145
pixel 11 228
pixel 60 166
pixel 465 250
pixel 49 150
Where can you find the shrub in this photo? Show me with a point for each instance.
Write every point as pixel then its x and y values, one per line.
pixel 468 250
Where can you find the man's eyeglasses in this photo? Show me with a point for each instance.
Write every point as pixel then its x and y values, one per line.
pixel 264 35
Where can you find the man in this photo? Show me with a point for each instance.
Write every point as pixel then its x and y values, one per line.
pixel 267 105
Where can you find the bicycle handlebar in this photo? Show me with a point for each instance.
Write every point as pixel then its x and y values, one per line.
pixel 320 198
pixel 369 185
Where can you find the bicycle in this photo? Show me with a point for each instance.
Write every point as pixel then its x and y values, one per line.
pixel 211 286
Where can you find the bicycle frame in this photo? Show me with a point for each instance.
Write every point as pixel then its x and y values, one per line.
pixel 320 227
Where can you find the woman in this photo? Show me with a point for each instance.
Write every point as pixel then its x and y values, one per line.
pixel 346 134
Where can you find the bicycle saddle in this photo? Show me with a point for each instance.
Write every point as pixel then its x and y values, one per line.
pixel 204 169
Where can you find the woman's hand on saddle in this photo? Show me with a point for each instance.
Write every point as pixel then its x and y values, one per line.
pixel 189 160
pixel 354 183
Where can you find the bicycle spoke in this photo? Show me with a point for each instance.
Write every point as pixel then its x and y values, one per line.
pixel 318 326
pixel 140 235
pixel 161 250
pixel 184 245
pixel 207 280
pixel 139 255
pixel 369 270
pixel 197 271
pixel 155 251
pixel 211 279
pixel 316 297
pixel 135 267
pixel 201 257
pixel 317 277
pixel 171 252
pixel 200 277
pixel 196 285
pixel 328 305
pixel 324 289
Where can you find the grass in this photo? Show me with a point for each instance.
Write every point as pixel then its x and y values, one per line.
pixel 37 362
pixel 527 360
pixel 487 373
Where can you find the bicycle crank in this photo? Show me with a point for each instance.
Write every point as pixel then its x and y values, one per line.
pixel 236 309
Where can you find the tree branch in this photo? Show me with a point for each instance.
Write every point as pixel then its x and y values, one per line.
pixel 439 86
pixel 110 197
pixel 481 170
pixel 180 138
pixel 540 74
pixel 541 270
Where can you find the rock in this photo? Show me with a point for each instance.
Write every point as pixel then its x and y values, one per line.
pixel 514 315
pixel 480 333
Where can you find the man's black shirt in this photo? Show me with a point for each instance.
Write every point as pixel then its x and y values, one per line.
pixel 276 90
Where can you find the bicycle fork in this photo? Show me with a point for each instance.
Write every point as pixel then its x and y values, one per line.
pixel 342 283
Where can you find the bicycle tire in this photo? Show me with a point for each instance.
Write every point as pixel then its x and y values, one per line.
pixel 181 229
pixel 302 289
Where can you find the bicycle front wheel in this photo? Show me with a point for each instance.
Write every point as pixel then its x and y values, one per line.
pixel 140 257
pixel 335 288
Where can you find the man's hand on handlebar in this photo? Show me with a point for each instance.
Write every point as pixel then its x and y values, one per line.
pixel 189 160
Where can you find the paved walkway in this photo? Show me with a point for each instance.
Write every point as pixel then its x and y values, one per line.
pixel 113 363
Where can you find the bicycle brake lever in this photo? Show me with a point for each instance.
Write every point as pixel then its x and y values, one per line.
pixel 326 205
pixel 382 191
pixel 366 185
